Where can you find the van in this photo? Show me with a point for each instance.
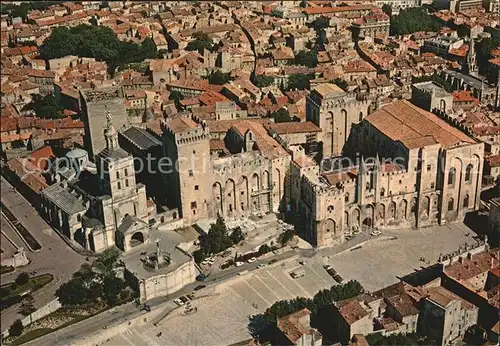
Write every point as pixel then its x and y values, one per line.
pixel 298 273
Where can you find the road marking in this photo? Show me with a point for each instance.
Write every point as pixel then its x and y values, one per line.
pixel 316 273
pixel 269 288
pixel 258 294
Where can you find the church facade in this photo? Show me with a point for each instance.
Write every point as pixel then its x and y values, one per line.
pixel 429 174
pixel 104 209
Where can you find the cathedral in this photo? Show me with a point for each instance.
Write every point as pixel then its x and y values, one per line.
pixel 99 209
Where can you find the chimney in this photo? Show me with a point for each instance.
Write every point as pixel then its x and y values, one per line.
pixel 460 259
pixel 469 256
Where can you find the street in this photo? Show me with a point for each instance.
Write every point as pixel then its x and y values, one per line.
pixel 55 257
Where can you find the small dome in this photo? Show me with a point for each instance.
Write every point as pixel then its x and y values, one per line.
pixel 76 153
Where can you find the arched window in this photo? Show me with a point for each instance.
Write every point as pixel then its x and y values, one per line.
pixel 119 186
pixel 451 202
pixel 126 182
pixel 468 174
pixel 382 192
pixel 126 172
pixel 117 175
pixel 347 197
pixel 466 201
pixel 451 176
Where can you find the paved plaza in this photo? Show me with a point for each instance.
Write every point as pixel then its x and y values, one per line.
pixel 223 318
pixel 379 263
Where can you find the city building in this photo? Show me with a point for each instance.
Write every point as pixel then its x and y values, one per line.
pixel 430 173
pixel 99 210
pixel 95 105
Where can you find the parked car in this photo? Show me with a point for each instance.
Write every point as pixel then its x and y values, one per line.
pixel 178 302
pixel 375 233
pixel 261 265
pixel 338 278
pixel 239 264
pixel 327 266
pixel 298 273
pixel 201 277
pixel 190 296
pixel 273 261
pixel 251 260
pixel 199 287
pixel 332 272
pixel 184 299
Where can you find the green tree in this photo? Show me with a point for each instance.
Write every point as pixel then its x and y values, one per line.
pixel 16 328
pixel 263 249
pixel 341 83
pixel 286 236
pixel 22 279
pixel 106 261
pixel 176 96
pixel 299 81
pixel 45 107
pixel 413 19
pixel 307 58
pixel 217 239
pixel 95 42
pixel 281 116
pixel 112 287
pixel 73 292
pixel 263 81
pixel 219 78
pixel 387 9
pixel 320 23
pixel 201 42
pixel 199 255
pixel 237 236
pixel 27 305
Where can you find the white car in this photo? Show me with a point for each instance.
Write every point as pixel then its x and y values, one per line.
pixel 251 260
pixel 261 265
pixel 178 302
pixel 375 233
pixel 239 264
pixel 204 262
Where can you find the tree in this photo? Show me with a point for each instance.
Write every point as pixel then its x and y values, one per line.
pixel 341 83
pixel 413 19
pixel 263 81
pixel 320 23
pixel 309 58
pixel 286 236
pixel 299 81
pixel 199 255
pixel 27 305
pixel 219 78
pixel 106 260
pixel 281 116
pixel 16 328
pixel 22 279
pixel 237 236
pixel 45 107
pixel 176 96
pixel 264 248
pixel 201 42
pixel 112 287
pixel 387 9
pixel 73 292
pixel 95 42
